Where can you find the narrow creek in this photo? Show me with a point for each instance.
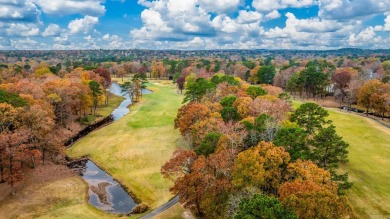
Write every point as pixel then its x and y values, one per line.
pixel 106 193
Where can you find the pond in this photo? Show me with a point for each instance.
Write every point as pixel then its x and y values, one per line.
pixel 106 193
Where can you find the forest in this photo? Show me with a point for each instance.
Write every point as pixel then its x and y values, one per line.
pixel 247 148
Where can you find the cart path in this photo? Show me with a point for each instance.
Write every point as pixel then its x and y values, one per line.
pixel 162 208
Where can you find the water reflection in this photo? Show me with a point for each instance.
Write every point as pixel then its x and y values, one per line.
pixel 122 109
pixel 104 192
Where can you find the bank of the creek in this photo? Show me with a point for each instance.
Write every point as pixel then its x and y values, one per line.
pixel 106 193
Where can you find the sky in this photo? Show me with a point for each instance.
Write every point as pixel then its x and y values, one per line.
pixel 194 24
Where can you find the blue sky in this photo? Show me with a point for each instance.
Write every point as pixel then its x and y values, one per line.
pixel 194 24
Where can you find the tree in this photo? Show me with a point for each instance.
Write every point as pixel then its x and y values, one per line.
pixel 196 90
pixel 293 139
pixel 229 114
pixel 121 73
pixel 312 80
pixel 133 88
pixel 96 92
pixel 255 91
pixel 308 199
pixel 188 115
pixel 205 185
pixel 261 167
pixel 242 105
pixel 127 88
pixel 179 164
pixel 11 98
pixel 17 144
pixel 381 100
pixel 294 84
pixel 208 144
pixel 262 206
pixel 310 117
pixel 266 74
pixel 191 187
pixel 329 150
pixel 366 92
pixel 42 71
pixel 136 86
pixel 180 83
pixel 341 82
pixel 102 72
pixel 249 64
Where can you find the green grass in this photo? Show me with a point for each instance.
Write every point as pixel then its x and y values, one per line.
pixel 134 148
pixel 369 162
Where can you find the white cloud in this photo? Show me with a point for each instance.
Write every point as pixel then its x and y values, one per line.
pixel 245 17
pixel 387 24
pixel 268 5
pixel 347 9
pixel 172 20
pixel 115 42
pixel 219 6
pixel 19 10
pixel 64 7
pixel 63 39
pixel 26 43
pixel 365 38
pixel 83 25
pixel 295 26
pixel 51 30
pixel 315 25
pixel 197 24
pixel 311 33
pixel 22 29
pixel 273 15
pixel 385 27
pixel 225 24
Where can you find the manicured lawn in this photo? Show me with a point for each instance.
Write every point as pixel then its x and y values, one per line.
pixel 369 162
pixel 134 148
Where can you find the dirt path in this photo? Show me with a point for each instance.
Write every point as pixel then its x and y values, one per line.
pixel 162 208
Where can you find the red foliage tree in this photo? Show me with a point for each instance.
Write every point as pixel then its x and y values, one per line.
pixel 102 72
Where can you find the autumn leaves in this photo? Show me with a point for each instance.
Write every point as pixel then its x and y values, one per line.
pixel 230 129
pixel 39 112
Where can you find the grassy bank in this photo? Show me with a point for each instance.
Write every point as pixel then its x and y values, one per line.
pixel 134 148
pixel 369 162
pixel 104 111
